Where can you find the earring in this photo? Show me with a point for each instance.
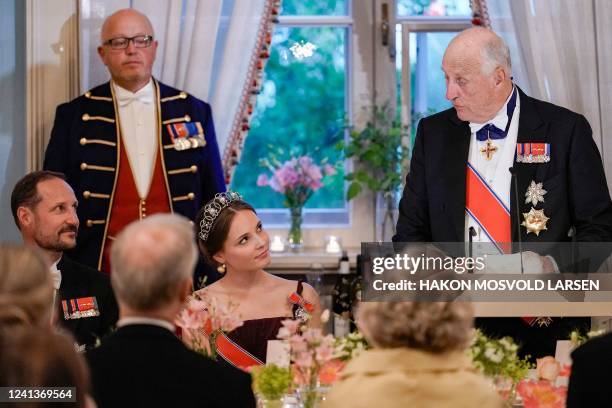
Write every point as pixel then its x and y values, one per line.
pixel 221 268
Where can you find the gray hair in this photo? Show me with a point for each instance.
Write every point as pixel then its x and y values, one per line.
pixel 495 53
pixel 436 327
pixel 151 259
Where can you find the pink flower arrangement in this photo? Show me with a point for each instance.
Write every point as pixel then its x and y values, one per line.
pixel 202 310
pixel 296 178
pixel 541 394
pixel 312 357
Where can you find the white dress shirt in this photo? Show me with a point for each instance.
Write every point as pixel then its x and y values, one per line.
pixel 495 171
pixel 127 321
pixel 56 274
pixel 137 117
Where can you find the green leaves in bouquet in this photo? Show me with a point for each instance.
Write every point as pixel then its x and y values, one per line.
pixel 379 149
pixel 271 381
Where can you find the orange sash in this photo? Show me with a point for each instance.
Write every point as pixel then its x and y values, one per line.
pixel 231 351
pixel 483 205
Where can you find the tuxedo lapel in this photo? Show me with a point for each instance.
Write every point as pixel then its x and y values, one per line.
pixel 455 158
pixel 532 129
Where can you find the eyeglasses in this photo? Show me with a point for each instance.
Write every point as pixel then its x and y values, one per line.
pixel 121 43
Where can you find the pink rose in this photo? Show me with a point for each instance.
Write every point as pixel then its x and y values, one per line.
pixel 330 372
pixel 541 394
pixel 548 368
pixel 324 353
pixel 329 170
pixel 286 176
pixel 262 180
pixel 304 360
pixel 313 172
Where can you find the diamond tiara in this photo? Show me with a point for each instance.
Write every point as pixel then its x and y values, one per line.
pixel 213 208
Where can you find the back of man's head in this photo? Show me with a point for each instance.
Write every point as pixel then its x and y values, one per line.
pixel 151 261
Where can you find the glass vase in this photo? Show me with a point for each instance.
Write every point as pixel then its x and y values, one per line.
pixel 263 402
pixel 295 230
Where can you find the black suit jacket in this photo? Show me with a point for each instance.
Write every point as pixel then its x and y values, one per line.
pixel 148 366
pixel 80 281
pixel 432 208
pixel 589 384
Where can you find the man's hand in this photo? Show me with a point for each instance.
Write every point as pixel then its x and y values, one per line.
pixel 533 263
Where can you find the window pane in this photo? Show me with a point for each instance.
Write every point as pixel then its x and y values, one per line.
pixel 433 8
pixel 301 108
pixel 427 84
pixel 315 8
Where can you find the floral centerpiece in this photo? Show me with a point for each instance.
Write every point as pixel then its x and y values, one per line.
pixel 312 359
pixel 271 383
pixel 350 346
pixel 297 179
pixel 543 392
pixel 203 319
pixel 577 337
pixel 499 360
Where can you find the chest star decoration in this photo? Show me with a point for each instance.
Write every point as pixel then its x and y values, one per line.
pixel 535 193
pixel 535 221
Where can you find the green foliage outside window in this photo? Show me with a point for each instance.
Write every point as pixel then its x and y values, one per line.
pixel 300 108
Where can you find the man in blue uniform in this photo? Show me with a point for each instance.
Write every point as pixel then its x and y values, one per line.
pixel 133 146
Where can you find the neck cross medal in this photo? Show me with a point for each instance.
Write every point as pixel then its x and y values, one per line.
pixel 488 150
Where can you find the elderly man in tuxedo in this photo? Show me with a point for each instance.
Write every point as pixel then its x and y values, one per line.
pixel 132 146
pixel 460 186
pixel 143 363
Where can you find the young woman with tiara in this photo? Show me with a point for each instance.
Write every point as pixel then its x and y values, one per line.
pixel 231 237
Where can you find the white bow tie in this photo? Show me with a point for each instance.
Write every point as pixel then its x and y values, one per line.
pixel 143 96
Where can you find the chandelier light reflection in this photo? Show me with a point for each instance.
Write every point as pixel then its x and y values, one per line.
pixel 303 49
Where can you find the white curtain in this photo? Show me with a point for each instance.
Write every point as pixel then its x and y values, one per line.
pixel 205 48
pixel 561 52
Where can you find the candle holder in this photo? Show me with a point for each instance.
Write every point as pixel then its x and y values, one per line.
pixel 277 244
pixel 333 244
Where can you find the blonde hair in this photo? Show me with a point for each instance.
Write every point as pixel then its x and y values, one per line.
pixel 26 288
pixel 432 326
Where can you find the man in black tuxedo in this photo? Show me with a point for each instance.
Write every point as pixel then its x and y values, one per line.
pixel 589 384
pixel 44 209
pixel 459 182
pixel 143 363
